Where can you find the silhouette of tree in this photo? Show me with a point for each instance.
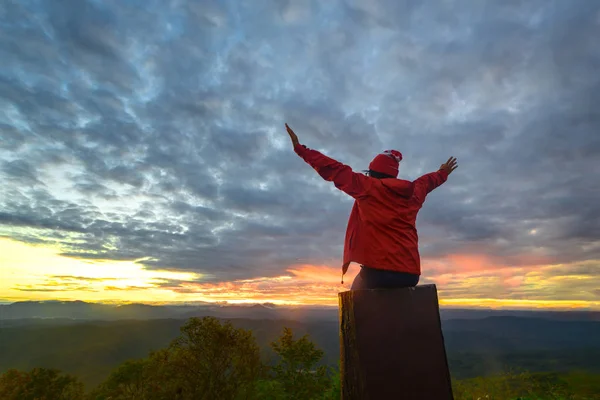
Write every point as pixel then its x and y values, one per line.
pixel 298 370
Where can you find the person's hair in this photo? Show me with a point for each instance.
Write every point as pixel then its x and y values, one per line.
pixel 377 175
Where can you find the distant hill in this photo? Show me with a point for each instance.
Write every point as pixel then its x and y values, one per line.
pixel 79 310
pixel 476 347
pixel 504 334
pixel 462 314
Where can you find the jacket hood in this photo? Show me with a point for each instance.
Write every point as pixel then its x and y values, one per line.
pixel 401 187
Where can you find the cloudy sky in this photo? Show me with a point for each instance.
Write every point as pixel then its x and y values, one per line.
pixel 143 154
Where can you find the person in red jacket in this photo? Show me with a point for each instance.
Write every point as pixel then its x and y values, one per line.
pixel 381 235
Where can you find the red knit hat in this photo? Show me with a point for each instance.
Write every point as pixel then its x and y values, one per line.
pixel 387 163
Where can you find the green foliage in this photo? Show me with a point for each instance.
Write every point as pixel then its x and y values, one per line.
pixel 214 360
pixel 583 383
pixel 527 386
pixel 209 360
pixel 39 384
pixel 91 350
pixel 298 370
pixel 335 389
pixel 269 389
pixel 127 381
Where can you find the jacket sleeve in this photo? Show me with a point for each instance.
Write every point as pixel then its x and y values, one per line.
pixel 350 182
pixel 427 183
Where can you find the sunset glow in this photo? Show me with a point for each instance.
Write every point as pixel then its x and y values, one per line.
pixel 38 273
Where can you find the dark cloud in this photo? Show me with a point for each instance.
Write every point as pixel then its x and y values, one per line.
pixel 168 283
pixel 21 172
pixel 157 135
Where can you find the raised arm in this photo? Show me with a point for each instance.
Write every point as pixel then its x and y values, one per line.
pixel 352 183
pixel 428 182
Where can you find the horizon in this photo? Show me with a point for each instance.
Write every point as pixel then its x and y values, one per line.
pixel 143 153
pixel 288 305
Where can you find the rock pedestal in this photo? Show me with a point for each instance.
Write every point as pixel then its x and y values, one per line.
pixel 391 345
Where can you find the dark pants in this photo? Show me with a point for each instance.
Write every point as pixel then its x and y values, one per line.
pixel 371 278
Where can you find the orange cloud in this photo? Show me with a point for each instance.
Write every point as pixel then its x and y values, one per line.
pixel 474 281
pixel 304 284
pixel 320 273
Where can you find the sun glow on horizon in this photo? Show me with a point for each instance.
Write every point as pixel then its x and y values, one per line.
pixel 34 272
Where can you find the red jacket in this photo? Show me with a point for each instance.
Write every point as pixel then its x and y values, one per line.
pixel 381 230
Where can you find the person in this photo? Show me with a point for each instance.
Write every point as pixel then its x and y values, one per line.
pixel 381 235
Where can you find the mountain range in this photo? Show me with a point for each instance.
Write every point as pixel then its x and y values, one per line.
pixel 80 310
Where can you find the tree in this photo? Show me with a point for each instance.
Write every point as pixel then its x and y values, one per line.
pixel 40 384
pixel 334 392
pixel 298 369
pixel 209 360
pixel 215 361
pixel 269 389
pixel 127 381
pixel 152 378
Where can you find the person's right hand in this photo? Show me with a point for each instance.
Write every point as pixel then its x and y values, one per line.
pixel 449 165
pixel 293 136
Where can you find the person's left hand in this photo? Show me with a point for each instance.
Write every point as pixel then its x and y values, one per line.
pixel 293 136
pixel 450 165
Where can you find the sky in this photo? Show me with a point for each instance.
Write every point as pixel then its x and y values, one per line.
pixel 143 154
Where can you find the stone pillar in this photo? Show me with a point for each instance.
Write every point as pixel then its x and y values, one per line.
pixel 391 345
